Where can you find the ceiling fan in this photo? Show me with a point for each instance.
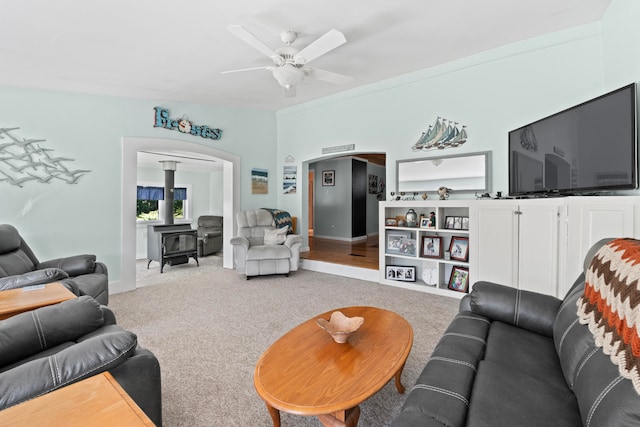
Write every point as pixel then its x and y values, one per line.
pixel 290 64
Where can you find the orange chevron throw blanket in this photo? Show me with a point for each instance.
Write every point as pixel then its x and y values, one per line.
pixel 610 305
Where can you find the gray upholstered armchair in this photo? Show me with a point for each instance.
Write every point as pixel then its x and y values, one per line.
pixel 19 267
pixel 253 256
pixel 209 234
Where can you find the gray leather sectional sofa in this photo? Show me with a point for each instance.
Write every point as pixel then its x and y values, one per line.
pixel 19 267
pixel 52 347
pixel 517 358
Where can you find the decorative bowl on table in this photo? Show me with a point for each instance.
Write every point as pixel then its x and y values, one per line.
pixel 340 326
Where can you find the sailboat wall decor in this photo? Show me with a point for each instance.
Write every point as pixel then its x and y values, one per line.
pixel 23 160
pixel 440 135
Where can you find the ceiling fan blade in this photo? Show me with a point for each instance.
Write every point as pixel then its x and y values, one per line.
pixel 324 44
pixel 246 69
pixel 244 35
pixel 328 76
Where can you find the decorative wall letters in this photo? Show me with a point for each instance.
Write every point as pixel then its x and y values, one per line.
pixel 183 125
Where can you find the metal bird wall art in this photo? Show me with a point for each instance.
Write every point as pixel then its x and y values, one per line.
pixel 24 160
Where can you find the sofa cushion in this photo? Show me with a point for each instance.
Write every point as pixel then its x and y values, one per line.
pixel 276 236
pixel 529 310
pixel 31 332
pixel 74 265
pixel 261 252
pixel 605 397
pixel 505 396
pixel 15 263
pixel 524 351
pixel 94 285
pixel 10 240
pixel 572 340
pixel 35 277
pixel 70 365
pixel 442 392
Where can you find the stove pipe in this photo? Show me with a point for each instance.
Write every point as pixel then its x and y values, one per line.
pixel 169 167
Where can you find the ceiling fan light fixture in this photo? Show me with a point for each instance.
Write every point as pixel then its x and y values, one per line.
pixel 288 76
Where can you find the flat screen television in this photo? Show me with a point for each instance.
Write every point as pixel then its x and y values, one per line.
pixel 587 149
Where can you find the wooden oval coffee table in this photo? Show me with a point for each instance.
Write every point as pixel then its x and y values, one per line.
pixel 306 373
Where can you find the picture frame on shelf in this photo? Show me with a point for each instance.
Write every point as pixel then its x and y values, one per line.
pixel 391 222
pixel 457 223
pixel 400 243
pixel 401 273
pixel 449 222
pixel 328 178
pixel 428 221
pixel 459 248
pixel 459 279
pixel 431 247
pixel 465 223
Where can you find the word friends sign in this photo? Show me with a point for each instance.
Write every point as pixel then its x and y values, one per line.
pixel 183 125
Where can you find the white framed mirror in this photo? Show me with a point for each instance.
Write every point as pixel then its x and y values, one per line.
pixel 461 173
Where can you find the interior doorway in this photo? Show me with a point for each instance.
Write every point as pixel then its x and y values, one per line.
pixel 362 253
pixel 130 148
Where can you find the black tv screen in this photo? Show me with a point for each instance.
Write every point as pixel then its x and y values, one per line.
pixel 589 148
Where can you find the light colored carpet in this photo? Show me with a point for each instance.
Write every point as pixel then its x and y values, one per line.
pixel 208 327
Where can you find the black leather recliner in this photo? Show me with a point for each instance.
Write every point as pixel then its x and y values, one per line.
pixel 19 267
pixel 75 339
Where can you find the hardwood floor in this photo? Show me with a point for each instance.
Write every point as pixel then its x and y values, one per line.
pixel 362 254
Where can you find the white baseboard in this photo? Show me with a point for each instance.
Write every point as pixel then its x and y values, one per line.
pixel 341 270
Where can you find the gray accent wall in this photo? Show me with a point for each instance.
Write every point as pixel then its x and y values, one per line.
pixel 345 211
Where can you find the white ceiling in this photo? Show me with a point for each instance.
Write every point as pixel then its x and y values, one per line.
pixel 175 50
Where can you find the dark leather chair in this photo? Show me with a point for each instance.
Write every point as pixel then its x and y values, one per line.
pixel 79 338
pixel 19 267
pixel 209 234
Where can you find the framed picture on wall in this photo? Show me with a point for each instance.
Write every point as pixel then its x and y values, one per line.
pixel 328 178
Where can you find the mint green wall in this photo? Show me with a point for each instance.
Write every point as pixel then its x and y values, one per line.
pixel 492 93
pixel 58 219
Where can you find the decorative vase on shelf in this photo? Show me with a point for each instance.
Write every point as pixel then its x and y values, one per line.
pixel 412 218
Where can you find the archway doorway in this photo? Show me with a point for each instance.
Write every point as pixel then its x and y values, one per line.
pixel 357 253
pixel 130 148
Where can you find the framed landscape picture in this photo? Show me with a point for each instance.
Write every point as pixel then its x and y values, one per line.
pixel 459 279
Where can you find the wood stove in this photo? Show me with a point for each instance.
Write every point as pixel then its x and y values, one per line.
pixel 171 244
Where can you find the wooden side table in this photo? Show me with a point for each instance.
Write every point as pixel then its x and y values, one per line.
pixel 95 401
pixel 16 301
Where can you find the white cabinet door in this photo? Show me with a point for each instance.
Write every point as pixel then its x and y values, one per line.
pixel 592 219
pixel 494 242
pixel 516 245
pixel 538 249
